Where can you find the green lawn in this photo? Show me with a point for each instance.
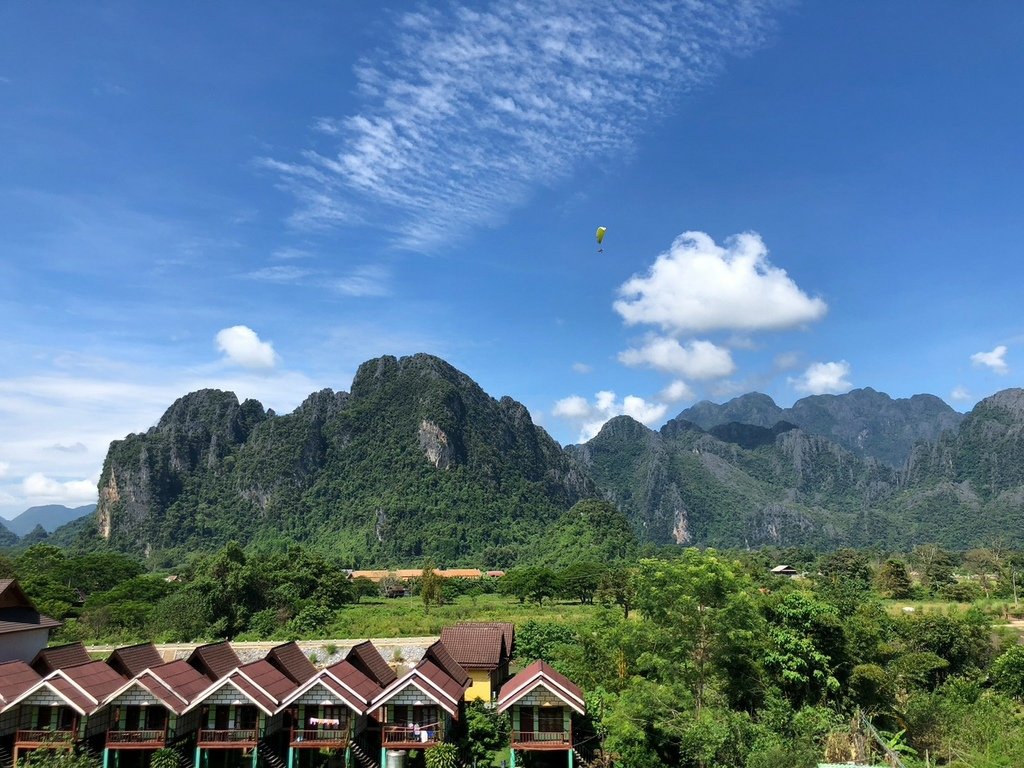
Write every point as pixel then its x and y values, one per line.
pixel 405 617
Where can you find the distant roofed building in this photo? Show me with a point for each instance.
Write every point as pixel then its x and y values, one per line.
pixel 24 631
pixel 482 649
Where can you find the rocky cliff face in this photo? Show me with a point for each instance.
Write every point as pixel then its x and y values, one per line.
pixel 417 460
pixel 867 423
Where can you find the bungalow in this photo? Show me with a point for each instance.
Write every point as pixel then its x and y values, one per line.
pixel 417 709
pixel 329 710
pixel 482 649
pixel 24 631
pixel 145 714
pixel 53 713
pixel 242 709
pixel 16 677
pixel 541 701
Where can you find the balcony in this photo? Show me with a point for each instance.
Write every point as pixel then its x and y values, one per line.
pixel 145 739
pixel 541 740
pixel 412 736
pixel 318 738
pixel 228 738
pixel 44 738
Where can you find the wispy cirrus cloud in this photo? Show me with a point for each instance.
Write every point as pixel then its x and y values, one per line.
pixel 468 108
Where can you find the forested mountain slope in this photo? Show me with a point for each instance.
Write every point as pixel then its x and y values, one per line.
pixel 867 423
pixel 417 461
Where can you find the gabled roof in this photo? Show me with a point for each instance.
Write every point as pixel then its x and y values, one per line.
pixel 133 659
pixel 292 662
pixel 83 687
pixel 352 677
pixel 15 678
pixel 182 678
pixel 13 596
pixel 508 631
pixel 439 655
pixel 475 646
pixel 18 613
pixel 540 674
pixel 97 678
pixel 246 688
pixel 156 688
pixel 60 657
pixel 367 659
pixel 214 660
pixel 344 681
pixel 269 679
pixel 437 676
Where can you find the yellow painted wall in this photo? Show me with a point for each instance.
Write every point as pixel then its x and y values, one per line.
pixel 480 688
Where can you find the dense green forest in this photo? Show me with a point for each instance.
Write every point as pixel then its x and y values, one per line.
pixel 689 657
pixel 417 461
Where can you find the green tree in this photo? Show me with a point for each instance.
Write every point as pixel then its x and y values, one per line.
pixel 431 587
pixel 893 581
pixel 486 732
pixel 1008 672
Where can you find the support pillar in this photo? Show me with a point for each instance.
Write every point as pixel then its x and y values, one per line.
pixel 199 757
pixel 511 758
pixel 106 757
pixel 571 756
pixel 255 755
pixel 291 757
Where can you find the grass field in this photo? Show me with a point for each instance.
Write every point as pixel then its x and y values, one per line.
pixel 405 617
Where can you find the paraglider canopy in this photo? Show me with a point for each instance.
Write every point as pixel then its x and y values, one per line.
pixel 600 238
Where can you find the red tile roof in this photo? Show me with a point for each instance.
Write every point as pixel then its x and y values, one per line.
pixel 508 631
pixel 475 646
pixel 539 673
pixel 98 678
pixel 214 659
pixel 439 655
pixel 59 657
pixel 269 678
pixel 290 659
pixel 367 659
pixel 366 687
pixel 181 677
pixel 15 678
pixel 156 687
pixel 132 659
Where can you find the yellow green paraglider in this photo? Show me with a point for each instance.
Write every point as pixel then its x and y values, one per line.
pixel 600 238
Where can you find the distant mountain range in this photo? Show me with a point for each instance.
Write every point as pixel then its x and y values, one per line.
pixel 50 517
pixel 417 461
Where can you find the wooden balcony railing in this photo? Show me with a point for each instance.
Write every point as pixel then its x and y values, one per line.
pixel 44 737
pixel 541 739
pixel 144 739
pixel 229 738
pixel 312 738
pixel 411 735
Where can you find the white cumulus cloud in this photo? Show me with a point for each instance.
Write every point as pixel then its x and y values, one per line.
pixel 824 378
pixel 676 392
pixel 591 416
pixel 39 487
pixel 699 286
pixel 697 359
pixel 959 394
pixel 242 346
pixel 994 360
pixel 5 468
pixel 582 368
pixel 572 407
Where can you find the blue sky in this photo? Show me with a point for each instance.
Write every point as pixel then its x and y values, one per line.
pixel 800 198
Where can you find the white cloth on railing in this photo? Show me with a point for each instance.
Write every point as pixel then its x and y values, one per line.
pixel 334 721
